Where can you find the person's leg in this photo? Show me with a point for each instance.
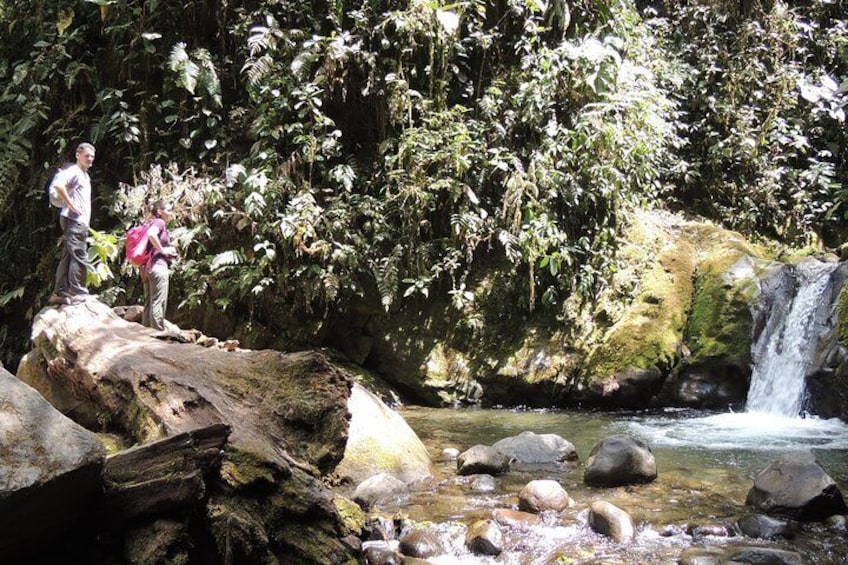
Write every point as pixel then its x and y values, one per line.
pixel 158 296
pixel 76 236
pixel 145 315
pixel 60 285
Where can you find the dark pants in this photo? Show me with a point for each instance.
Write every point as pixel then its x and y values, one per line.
pixel 72 269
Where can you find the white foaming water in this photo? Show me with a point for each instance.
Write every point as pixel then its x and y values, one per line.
pixel 747 431
pixel 780 364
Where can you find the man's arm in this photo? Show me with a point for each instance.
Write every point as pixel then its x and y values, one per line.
pixel 62 191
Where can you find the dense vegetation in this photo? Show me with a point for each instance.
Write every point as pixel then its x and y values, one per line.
pixel 324 154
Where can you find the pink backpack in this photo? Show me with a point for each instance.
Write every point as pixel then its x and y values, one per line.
pixel 137 252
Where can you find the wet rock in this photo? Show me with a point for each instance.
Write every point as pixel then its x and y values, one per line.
pixel 484 538
pixel 762 556
pixel 612 521
pixel 381 553
pixel 764 527
pixel 49 469
pixel 380 441
pixel 796 486
pixel 620 460
pixel 379 489
pixel 483 483
pixel 515 519
pixel 380 528
pixel 712 530
pixel 529 447
pixel 421 543
pixel 541 495
pixel 671 530
pixel 838 522
pixel 482 459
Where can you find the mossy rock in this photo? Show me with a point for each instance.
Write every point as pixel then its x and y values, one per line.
pixel 644 345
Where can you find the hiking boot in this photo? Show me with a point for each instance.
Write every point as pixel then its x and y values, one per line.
pixel 58 300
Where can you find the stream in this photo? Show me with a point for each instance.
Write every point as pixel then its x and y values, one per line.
pixel 706 465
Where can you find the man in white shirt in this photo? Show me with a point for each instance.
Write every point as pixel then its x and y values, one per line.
pixel 73 186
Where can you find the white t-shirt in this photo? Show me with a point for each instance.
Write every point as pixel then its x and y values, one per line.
pixel 78 184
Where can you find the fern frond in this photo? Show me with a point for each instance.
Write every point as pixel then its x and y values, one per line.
pixel 226 259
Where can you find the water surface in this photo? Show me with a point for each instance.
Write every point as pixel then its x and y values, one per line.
pixel 706 466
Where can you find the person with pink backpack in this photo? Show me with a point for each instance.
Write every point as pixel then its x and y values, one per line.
pixel 155 270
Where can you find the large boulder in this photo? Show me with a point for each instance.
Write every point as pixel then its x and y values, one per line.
pixel 287 414
pixel 380 441
pixel 796 486
pixel 49 469
pixel 618 461
pixel 530 447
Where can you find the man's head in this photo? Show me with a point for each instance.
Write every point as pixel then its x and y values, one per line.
pixel 161 209
pixel 85 156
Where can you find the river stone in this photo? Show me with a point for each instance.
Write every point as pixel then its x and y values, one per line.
pixel 764 527
pixel 620 460
pixel 541 495
pixel 49 468
pixel 482 459
pixel 796 486
pixel 483 483
pixel 380 441
pixel 612 521
pixel 515 519
pixel 712 530
pixel 529 447
pixel 838 522
pixel 484 537
pixel 762 556
pixel 381 553
pixel 378 489
pixel 421 543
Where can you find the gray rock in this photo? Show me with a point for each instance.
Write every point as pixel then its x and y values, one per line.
pixel 483 483
pixel 378 489
pixel 541 495
pixel 482 459
pixel 612 521
pixel 529 447
pixel 49 468
pixel 620 460
pixel 764 527
pixel 381 553
pixel 421 543
pixel 796 486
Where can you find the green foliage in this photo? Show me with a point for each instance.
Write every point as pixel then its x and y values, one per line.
pixel 324 156
pixel 766 115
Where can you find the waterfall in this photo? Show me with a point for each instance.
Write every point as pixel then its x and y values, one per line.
pixel 787 344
